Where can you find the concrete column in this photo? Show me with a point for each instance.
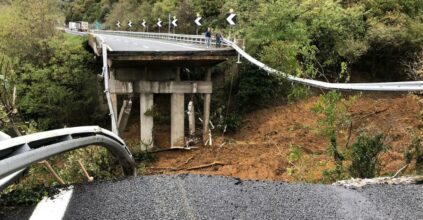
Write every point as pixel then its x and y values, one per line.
pixel 146 104
pixel 191 118
pixel 206 113
pixel 177 134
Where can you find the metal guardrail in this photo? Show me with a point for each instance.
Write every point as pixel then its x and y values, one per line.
pixel 40 146
pixel 193 39
pixel 386 86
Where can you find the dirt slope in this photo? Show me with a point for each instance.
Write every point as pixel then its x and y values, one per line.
pixel 284 142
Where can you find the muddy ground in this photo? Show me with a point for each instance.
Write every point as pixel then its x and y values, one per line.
pixel 285 142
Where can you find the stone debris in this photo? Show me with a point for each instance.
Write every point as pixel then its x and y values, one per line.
pixel 358 183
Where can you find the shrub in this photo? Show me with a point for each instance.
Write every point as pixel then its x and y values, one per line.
pixel 364 155
pixel 414 151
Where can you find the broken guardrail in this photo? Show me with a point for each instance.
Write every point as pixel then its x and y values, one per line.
pixel 198 39
pixel 18 153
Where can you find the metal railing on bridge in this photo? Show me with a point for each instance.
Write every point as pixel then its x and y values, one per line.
pixel 192 39
pixel 198 39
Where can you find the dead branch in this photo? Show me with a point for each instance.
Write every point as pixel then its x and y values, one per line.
pixel 349 135
pixel 372 113
pixel 89 178
pixel 216 163
pixel 187 161
pixel 52 172
pixel 400 170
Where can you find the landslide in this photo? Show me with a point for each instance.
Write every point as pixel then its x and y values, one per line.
pixel 284 142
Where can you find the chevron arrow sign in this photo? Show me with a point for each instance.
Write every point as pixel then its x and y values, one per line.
pixel 174 22
pixel 197 21
pixel 230 19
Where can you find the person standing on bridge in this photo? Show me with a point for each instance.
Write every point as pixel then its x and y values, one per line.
pixel 218 40
pixel 208 37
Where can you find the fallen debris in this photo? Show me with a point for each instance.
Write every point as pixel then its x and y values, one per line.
pixel 216 163
pixel 358 183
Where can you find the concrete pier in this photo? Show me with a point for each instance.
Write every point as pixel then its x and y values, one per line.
pixel 177 130
pixel 146 121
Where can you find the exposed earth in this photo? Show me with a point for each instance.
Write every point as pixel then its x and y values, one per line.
pixel 285 143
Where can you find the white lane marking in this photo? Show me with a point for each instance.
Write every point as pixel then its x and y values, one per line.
pixel 55 208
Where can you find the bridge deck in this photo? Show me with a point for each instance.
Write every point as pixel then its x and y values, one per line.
pixel 123 48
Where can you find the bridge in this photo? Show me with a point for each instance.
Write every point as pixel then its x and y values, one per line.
pixel 145 64
pixel 150 63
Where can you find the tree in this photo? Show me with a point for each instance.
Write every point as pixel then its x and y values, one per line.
pixel 26 27
pixel 63 91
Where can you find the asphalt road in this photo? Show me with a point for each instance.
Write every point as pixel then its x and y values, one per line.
pixel 128 44
pixel 211 197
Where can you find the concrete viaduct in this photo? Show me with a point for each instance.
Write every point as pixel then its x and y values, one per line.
pixel 146 66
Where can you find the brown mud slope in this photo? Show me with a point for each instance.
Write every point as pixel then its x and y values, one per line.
pixel 285 143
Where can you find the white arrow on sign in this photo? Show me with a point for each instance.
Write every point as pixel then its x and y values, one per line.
pixel 230 17
pixel 159 23
pixel 174 22
pixel 197 21
pixel 143 23
pixel 130 23
pixel 118 24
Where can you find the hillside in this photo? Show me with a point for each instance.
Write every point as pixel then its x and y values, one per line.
pixel 284 143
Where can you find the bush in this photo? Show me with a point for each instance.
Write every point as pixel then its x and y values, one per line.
pixel 364 155
pixel 414 151
pixel 63 91
pixel 256 88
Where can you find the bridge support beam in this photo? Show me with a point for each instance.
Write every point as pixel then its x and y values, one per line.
pixel 146 120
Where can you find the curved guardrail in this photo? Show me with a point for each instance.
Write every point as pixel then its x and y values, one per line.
pixel 40 146
pixel 197 39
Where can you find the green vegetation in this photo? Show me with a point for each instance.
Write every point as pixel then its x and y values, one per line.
pixel 415 152
pixel 364 155
pixel 64 86
pixel 330 40
pixel 326 39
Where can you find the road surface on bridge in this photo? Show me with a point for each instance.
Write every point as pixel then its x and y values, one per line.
pixel 213 197
pixel 132 44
